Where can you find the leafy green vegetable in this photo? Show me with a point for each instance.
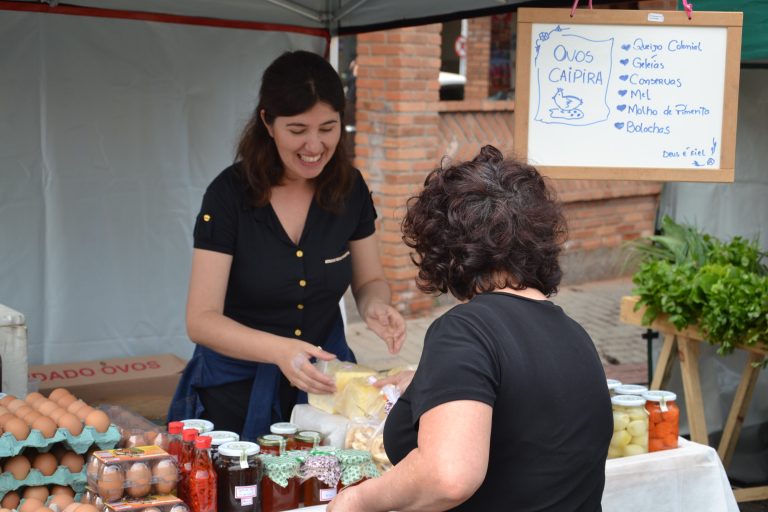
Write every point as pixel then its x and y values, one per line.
pixel 697 279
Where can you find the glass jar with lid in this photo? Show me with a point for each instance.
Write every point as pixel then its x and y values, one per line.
pixel 272 444
pixel 280 484
pixel 288 431
pixel 356 467
pixel 308 440
pixel 663 420
pixel 219 437
pixel 321 475
pixel 630 389
pixel 612 385
pixel 238 472
pixel 630 426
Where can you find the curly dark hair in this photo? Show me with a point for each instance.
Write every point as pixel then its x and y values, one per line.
pixel 485 224
pixel 292 84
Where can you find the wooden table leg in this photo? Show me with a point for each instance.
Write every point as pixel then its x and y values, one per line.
pixel 688 352
pixel 739 408
pixel 664 364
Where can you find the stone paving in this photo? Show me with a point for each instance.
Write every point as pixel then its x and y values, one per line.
pixel 594 305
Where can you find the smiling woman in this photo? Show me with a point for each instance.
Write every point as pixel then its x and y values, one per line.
pixel 280 236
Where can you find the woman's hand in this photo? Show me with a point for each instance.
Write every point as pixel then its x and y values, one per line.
pixel 400 379
pixel 387 323
pixel 346 500
pixel 293 360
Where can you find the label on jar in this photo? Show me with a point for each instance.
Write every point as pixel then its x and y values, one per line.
pixel 327 494
pixel 246 493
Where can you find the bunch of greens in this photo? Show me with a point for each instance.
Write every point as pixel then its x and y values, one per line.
pixel 697 279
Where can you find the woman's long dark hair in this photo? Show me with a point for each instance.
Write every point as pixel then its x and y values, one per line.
pixel 294 83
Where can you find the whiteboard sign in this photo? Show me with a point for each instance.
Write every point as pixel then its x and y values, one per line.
pixel 604 99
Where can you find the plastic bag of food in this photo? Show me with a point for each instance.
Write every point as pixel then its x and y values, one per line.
pixel 342 372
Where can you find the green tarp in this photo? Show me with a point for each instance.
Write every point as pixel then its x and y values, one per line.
pixel 754 43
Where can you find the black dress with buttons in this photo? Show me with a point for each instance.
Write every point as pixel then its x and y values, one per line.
pixel 277 286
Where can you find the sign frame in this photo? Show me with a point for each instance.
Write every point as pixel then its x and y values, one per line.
pixel 732 21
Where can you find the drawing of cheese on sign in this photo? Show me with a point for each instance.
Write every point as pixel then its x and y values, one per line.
pixel 572 76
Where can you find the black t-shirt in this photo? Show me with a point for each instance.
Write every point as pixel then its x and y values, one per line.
pixel 287 289
pixel 539 370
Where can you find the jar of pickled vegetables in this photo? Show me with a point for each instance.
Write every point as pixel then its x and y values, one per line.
pixel 280 484
pixel 663 420
pixel 630 389
pixel 630 426
pixel 612 385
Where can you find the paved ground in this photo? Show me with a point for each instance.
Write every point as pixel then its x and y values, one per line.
pixel 594 305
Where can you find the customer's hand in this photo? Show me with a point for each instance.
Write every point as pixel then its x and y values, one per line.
pixel 387 323
pixel 346 501
pixel 293 358
pixel 400 379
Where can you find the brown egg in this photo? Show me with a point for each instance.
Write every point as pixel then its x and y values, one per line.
pixel 76 406
pixel 17 428
pixel 86 507
pixel 5 417
pixel 3 410
pixel 38 492
pixel 72 506
pixel 45 463
pixel 83 412
pixel 15 405
pixel 46 406
pixel 44 509
pixel 57 413
pixel 60 500
pixel 71 423
pixel 58 393
pixel 66 400
pixel 62 489
pixel 31 416
pixel 5 510
pixel 23 410
pixel 110 482
pixel 46 426
pixel 138 480
pixel 33 397
pixel 99 420
pixel 165 474
pixel 7 399
pixel 149 437
pixel 18 466
pixel 31 505
pixel 10 500
pixel 73 462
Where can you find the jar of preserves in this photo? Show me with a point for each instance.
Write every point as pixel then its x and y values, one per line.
pixel 238 476
pixel 356 467
pixel 286 430
pixel 630 426
pixel 612 385
pixel 630 389
pixel 308 440
pixel 271 444
pixel 663 420
pixel 321 475
pixel 202 426
pixel 280 483
pixel 219 437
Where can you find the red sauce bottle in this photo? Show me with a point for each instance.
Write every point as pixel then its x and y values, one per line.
pixel 174 439
pixel 202 478
pixel 186 457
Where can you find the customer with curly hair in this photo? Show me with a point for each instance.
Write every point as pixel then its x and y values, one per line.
pixel 509 408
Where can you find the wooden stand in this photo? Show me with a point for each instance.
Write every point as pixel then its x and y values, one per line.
pixel 686 345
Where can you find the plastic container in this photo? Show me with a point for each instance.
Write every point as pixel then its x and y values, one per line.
pixel 280 484
pixel 132 474
pixel 288 431
pixel 630 426
pixel 202 478
pixel 663 420
pixel 238 471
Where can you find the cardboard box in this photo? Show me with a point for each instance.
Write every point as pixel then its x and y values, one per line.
pixel 143 384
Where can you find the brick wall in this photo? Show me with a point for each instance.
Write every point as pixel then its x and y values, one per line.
pixel 396 143
pixel 478 58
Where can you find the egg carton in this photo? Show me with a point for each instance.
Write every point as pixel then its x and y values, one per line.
pixel 131 472
pixel 76 499
pixel 10 446
pixel 62 476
